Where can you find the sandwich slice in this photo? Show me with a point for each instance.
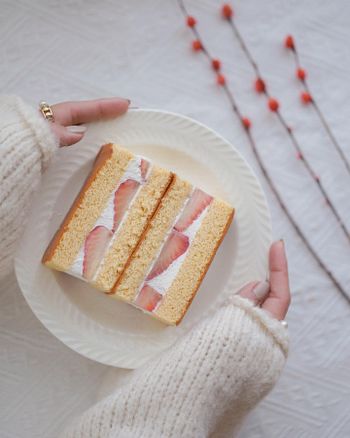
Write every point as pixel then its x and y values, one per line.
pixel 178 246
pixel 108 218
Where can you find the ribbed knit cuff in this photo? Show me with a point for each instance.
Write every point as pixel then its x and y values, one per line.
pixel 267 323
pixel 43 137
pixel 26 145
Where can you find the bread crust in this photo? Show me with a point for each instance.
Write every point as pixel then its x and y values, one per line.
pixel 101 282
pixel 195 290
pixel 102 157
pixel 149 224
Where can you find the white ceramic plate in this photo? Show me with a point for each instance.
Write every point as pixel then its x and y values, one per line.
pixel 113 332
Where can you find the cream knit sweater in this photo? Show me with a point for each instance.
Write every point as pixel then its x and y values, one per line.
pixel 202 386
pixel 26 145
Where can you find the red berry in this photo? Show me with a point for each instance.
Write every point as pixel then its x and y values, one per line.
pixel 305 97
pixel 246 122
pixel 289 42
pixel 220 79
pixel 191 21
pixel 227 11
pixel 317 178
pixel 260 86
pixel 301 74
pixel 299 156
pixel 216 64
pixel 196 45
pixel 273 104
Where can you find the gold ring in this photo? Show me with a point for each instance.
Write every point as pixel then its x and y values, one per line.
pixel 46 111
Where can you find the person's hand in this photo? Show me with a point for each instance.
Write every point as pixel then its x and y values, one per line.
pixel 272 296
pixel 69 116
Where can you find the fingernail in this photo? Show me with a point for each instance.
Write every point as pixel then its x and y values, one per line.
pixel 282 244
pixel 76 129
pixel 117 99
pixel 261 290
pixel 121 98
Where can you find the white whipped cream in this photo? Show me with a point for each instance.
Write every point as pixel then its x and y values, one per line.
pixel 115 235
pixel 76 269
pixel 165 238
pixel 133 171
pixel 163 282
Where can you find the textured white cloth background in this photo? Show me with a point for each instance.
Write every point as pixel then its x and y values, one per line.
pixel 61 50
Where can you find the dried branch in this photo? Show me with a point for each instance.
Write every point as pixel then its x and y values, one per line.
pixel 198 45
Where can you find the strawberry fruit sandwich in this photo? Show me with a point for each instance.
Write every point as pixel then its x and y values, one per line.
pixel 140 234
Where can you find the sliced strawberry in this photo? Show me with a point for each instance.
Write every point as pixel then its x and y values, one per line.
pixel 122 199
pixel 174 247
pixel 144 165
pixel 94 249
pixel 197 203
pixel 148 298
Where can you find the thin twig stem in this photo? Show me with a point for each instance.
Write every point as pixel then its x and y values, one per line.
pixel 320 114
pixel 289 131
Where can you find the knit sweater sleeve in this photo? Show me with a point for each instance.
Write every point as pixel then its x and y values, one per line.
pixel 26 145
pixel 214 375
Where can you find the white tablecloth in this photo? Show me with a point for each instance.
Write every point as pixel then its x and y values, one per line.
pixel 61 50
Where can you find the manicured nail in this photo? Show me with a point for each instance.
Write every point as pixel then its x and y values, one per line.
pixel 261 290
pixel 282 244
pixel 76 129
pixel 116 98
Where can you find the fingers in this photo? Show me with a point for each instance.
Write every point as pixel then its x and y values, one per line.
pixel 67 114
pixel 68 136
pixel 273 296
pixel 74 113
pixel 255 291
pixel 278 300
